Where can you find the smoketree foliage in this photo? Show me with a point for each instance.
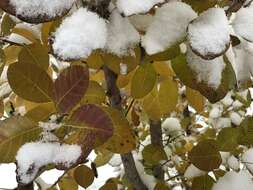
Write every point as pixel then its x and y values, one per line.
pixel 158 89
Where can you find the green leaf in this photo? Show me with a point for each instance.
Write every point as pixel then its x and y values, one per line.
pixel 84 176
pixel 246 132
pixel 14 132
pixel 168 54
pixel 103 157
pixel 35 54
pixel 160 102
pixel 30 82
pixel 205 155
pixel 161 186
pixel 153 154
pixel 227 139
pixel 110 184
pixel 201 5
pixel 70 87
pixel 143 81
pixel 7 25
pixel 203 183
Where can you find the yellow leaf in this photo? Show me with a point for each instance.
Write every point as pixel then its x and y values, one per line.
pixel 195 99
pixel 84 176
pixel 95 94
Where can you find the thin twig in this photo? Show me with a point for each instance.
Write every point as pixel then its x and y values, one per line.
pixel 129 107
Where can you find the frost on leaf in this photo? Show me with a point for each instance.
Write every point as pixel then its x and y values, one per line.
pixel 243 23
pixel 168 28
pixel 122 37
pixel 234 181
pixel 37 11
pixel 209 34
pixel 130 7
pixel 32 156
pixel 79 35
pixel 208 71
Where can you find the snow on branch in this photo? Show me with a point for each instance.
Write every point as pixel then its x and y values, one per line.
pixel 31 157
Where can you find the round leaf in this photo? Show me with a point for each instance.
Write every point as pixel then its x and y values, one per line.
pixel 205 155
pixel 84 176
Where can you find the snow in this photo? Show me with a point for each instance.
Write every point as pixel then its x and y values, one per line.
pixel 193 171
pixel 35 8
pixel 171 125
pixel 168 28
pixel 223 122
pixel 236 119
pixel 234 181
pixel 227 100
pixel 141 22
pixel 37 154
pixel 247 159
pixel 79 35
pixel 122 37
pixel 233 163
pixel 224 157
pixel 215 112
pixel 243 64
pixel 209 34
pixel 208 71
pixel 130 7
pixel 243 23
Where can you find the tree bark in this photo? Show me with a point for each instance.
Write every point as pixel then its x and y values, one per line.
pixel 127 159
pixel 156 139
pixel 25 187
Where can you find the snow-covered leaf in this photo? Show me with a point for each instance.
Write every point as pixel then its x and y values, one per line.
pixel 78 35
pixel 130 7
pixel 122 37
pixel 209 34
pixel 243 23
pixel 168 27
pixel 37 11
pixel 190 78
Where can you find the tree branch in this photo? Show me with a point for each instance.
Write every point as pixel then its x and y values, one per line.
pixel 127 159
pixel 156 139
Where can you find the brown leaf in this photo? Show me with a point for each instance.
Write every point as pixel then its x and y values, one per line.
pixel 70 87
